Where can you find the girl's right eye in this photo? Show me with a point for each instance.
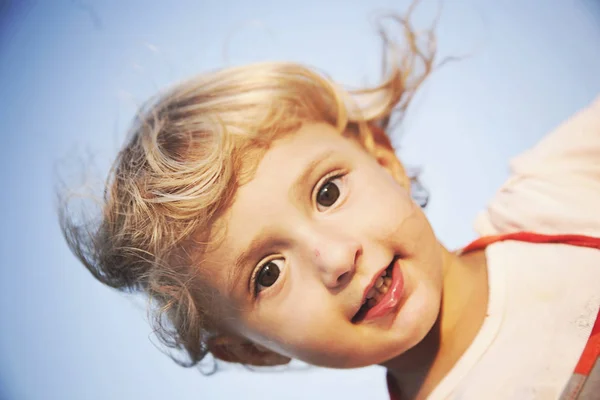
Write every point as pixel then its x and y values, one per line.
pixel 329 192
pixel 267 274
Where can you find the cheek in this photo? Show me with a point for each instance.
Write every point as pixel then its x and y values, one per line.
pixel 390 213
pixel 301 326
pixel 402 226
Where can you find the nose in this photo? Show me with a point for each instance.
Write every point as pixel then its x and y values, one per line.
pixel 336 257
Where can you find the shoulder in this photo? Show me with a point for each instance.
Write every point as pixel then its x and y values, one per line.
pixel 554 187
pixel 572 149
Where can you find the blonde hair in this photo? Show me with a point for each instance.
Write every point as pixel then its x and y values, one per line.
pixel 188 151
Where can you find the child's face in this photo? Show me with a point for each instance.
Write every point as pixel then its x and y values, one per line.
pixel 316 225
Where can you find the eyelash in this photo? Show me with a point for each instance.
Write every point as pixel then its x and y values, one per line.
pixel 331 176
pixel 256 272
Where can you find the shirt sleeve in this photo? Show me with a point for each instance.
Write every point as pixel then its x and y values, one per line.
pixel 554 187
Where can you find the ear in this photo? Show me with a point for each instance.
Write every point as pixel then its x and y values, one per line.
pixel 239 350
pixel 384 153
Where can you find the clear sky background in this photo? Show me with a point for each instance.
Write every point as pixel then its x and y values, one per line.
pixel 72 73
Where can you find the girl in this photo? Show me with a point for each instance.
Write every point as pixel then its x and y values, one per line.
pixel 264 212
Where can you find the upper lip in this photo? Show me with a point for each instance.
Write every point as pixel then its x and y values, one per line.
pixel 370 285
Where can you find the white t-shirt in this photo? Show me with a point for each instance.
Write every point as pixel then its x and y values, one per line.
pixel 543 298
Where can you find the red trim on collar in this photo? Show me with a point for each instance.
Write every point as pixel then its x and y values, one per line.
pixel 591 352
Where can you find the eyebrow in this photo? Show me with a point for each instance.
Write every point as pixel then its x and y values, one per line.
pixel 261 240
pixel 242 261
pixel 308 171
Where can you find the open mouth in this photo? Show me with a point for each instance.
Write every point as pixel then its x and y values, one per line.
pixel 376 293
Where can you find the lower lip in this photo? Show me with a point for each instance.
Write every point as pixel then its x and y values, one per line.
pixel 391 299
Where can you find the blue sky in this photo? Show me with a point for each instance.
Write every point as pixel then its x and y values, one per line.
pixel 73 72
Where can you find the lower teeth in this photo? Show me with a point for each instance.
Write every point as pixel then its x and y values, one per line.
pixel 370 303
pixel 380 292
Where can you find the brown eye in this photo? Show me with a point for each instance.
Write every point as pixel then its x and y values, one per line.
pixel 268 275
pixel 328 194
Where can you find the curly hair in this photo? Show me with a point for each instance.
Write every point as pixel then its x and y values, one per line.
pixel 187 152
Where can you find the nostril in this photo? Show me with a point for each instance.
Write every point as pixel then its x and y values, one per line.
pixel 343 278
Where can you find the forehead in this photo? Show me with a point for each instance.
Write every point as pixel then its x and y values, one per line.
pixel 299 145
pixel 289 160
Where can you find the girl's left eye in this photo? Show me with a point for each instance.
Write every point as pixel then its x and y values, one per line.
pixel 267 275
pixel 329 192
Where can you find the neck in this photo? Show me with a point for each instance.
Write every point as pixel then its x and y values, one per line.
pixel 464 304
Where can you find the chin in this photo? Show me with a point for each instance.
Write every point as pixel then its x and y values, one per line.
pixel 414 321
pixel 357 359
